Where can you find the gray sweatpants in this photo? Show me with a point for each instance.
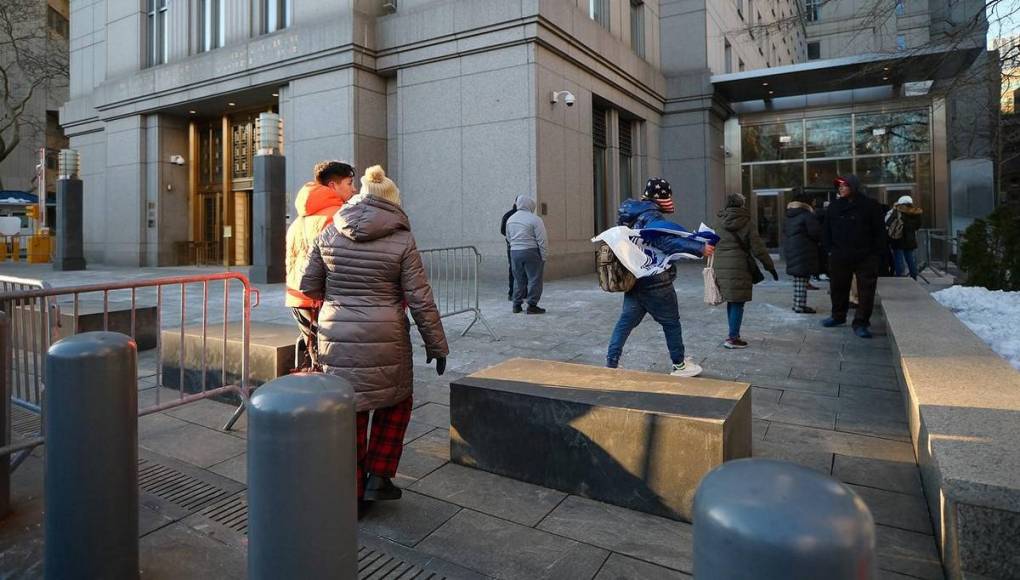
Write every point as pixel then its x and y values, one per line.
pixel 528 267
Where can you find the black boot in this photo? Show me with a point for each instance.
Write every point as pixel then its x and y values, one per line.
pixel 532 309
pixel 381 489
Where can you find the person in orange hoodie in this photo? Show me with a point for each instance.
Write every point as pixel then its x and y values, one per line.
pixel 316 203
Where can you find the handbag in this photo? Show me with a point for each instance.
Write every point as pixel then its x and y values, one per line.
pixel 752 264
pixel 713 297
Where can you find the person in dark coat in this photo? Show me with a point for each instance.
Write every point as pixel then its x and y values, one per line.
pixel 854 237
pixel 509 261
pixel 803 238
pixel 738 245
pixel 367 271
pixel 904 247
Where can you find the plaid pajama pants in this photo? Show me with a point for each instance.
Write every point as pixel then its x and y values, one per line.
pixel 800 291
pixel 381 454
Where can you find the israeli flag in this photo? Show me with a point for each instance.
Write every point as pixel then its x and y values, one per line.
pixel 637 255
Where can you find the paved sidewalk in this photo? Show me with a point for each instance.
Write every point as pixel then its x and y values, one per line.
pixel 822 398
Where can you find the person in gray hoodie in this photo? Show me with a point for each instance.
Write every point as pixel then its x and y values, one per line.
pixel 529 247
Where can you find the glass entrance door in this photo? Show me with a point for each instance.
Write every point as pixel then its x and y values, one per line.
pixel 768 209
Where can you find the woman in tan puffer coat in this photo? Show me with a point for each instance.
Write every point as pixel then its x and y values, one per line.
pixel 365 267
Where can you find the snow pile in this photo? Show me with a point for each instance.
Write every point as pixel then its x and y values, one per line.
pixel 993 315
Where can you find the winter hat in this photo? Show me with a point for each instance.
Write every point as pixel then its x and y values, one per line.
pixel 376 183
pixel 905 200
pixel 658 190
pixel 735 200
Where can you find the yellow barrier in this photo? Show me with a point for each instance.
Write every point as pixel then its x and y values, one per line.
pixel 10 248
pixel 39 248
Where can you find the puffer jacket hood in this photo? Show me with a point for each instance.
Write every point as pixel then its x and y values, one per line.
pixel 367 217
pixel 795 207
pixel 633 210
pixel 734 218
pixel 525 203
pixel 909 209
pixel 315 197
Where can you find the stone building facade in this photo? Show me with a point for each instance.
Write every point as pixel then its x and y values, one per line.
pixel 453 97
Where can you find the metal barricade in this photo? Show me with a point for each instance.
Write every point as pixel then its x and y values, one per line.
pixel 125 307
pixel 453 275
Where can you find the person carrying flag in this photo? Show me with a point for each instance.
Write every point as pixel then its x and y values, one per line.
pixel 654 294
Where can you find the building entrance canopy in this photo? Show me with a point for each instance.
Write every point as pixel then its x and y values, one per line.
pixel 840 74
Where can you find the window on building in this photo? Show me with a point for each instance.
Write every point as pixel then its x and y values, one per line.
pixel 812 9
pixel 814 50
pixel 637 27
pixel 158 44
pixel 275 15
pixel 900 8
pixel 901 42
pixel 600 187
pixel 740 65
pixel 598 10
pixel 626 159
pixel 728 55
pixel 57 22
pixel 211 24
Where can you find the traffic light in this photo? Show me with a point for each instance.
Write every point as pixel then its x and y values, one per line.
pixel 32 212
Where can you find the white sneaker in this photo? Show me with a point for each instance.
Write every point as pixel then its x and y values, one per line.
pixel 688 369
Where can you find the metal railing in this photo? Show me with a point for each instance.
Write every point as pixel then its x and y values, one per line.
pixel 453 275
pixel 147 310
pixel 935 247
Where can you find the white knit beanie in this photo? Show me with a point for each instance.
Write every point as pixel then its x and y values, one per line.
pixel 376 183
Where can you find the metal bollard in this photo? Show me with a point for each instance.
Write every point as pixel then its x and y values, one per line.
pixel 91 489
pixel 302 497
pixel 759 518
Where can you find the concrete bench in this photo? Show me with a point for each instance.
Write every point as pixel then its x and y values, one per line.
pixel 963 406
pixel 90 318
pixel 270 354
pixel 638 440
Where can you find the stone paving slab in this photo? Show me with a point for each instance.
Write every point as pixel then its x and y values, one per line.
pixel 896 510
pixel 651 538
pixel 188 442
pixel 897 476
pixel 619 567
pixel 408 521
pixel 506 550
pixel 513 500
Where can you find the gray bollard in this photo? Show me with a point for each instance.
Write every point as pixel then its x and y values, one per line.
pixel 91 489
pixel 765 519
pixel 302 497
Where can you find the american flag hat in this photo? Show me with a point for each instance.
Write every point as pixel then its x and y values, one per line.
pixel 658 190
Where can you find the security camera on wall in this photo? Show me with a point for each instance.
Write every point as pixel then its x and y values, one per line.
pixel 568 98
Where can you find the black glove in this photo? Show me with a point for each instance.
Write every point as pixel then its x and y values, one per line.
pixel 775 275
pixel 440 364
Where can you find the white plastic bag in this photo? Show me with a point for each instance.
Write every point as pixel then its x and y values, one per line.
pixel 712 295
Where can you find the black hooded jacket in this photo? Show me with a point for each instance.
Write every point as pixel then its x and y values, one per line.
pixel 854 226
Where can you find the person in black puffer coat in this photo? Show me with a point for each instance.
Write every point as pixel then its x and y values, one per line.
pixel 803 231
pixel 854 236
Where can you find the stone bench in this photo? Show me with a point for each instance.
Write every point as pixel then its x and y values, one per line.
pixel 638 440
pixel 90 318
pixel 270 354
pixel 963 406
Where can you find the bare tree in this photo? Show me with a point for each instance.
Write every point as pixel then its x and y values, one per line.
pixel 31 61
